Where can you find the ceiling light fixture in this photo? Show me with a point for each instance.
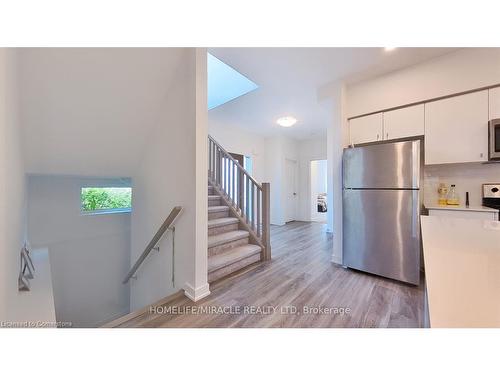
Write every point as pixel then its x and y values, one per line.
pixel 388 49
pixel 286 121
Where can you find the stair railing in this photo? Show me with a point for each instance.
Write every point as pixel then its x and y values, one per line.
pixel 248 199
pixel 167 225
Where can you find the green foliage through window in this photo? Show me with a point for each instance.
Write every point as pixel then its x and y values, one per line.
pixel 109 198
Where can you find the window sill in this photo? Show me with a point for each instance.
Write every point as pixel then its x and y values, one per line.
pixel 107 212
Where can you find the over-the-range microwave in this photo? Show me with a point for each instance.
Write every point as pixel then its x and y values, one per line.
pixel 494 139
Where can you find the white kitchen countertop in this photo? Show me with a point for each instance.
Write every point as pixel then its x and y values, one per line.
pixel 462 268
pixel 463 208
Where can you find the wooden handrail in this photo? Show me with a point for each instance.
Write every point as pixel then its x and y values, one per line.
pixel 239 166
pixel 151 245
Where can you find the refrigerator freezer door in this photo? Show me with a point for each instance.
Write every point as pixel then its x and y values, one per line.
pixel 383 166
pixel 381 233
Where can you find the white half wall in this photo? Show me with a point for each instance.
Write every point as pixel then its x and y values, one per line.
pixel 89 254
pixel 173 173
pixel 12 184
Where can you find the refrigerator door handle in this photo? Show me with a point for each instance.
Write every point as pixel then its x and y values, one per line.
pixel 415 231
pixel 416 164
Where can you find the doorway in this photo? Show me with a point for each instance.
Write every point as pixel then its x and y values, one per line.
pixel 239 158
pixel 318 189
pixel 291 197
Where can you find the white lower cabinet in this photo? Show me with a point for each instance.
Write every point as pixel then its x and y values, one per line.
pixel 456 129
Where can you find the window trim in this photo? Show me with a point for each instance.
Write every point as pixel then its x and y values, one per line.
pixel 106 211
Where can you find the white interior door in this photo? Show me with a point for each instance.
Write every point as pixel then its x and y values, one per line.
pixel 291 177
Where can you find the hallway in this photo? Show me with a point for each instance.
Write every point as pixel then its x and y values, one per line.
pixel 299 287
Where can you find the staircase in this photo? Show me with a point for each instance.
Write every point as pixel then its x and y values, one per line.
pixel 229 249
pixel 238 216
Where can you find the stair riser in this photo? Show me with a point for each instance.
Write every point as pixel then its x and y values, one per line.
pixel 214 202
pixel 215 275
pixel 218 215
pixel 223 229
pixel 226 246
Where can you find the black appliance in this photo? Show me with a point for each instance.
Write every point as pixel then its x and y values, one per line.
pixel 494 140
pixel 491 196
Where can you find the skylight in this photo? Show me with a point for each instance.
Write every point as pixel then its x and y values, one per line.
pixel 225 83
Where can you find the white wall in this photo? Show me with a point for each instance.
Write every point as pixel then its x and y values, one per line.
pixel 198 288
pixel 333 96
pixel 89 254
pixel 171 174
pixel 337 135
pixel 311 149
pixel 467 177
pixel 12 183
pixel 237 140
pixel 465 69
pixel 109 98
pixel 318 183
pixel 268 155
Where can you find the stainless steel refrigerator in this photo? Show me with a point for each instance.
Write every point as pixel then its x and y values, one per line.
pixel 381 209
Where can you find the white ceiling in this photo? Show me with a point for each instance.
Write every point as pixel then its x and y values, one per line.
pixel 288 80
pixel 89 111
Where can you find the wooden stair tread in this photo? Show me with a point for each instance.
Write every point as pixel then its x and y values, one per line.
pixel 213 197
pixel 222 260
pixel 217 208
pixel 222 238
pixel 214 223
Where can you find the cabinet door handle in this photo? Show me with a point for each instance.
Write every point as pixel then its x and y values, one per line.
pixel 386 135
pixel 378 136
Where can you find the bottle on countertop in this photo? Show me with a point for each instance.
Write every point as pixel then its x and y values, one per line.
pixel 452 198
pixel 442 194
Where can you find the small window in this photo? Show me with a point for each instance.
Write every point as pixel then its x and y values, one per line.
pixel 95 200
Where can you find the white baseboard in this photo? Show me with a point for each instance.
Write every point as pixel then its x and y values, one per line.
pixel 114 317
pixel 337 259
pixel 144 310
pixel 198 293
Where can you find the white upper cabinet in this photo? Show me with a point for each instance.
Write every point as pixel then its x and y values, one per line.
pixel 494 103
pixel 404 122
pixel 366 129
pixel 456 129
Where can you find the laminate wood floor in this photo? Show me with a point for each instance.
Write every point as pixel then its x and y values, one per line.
pixel 299 287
